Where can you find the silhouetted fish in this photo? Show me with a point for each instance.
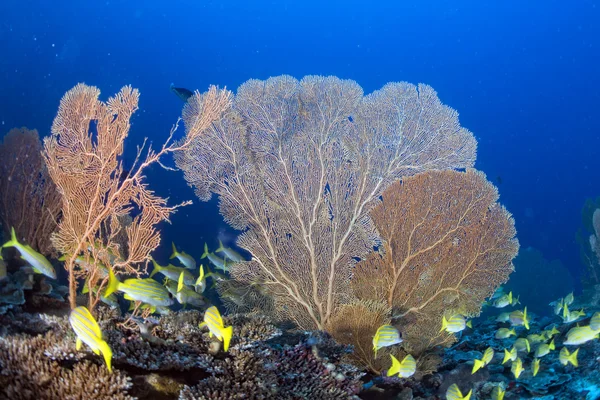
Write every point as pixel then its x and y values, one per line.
pixel 183 93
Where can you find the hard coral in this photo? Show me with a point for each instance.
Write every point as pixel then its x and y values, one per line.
pixel 27 374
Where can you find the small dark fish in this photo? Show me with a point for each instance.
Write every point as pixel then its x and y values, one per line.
pixel 350 118
pixel 183 93
pixel 499 180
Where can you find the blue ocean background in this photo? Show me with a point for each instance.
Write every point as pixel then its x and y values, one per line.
pixel 523 76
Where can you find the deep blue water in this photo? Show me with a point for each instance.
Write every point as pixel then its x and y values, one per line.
pixel 523 76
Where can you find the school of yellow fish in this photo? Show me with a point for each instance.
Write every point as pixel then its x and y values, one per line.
pixel 539 344
pixel 144 293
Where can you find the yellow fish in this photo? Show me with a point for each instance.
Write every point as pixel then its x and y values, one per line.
pixel 184 258
pixel 565 357
pixel 87 330
pixel 535 366
pixel 522 344
pixel 519 317
pixel 498 393
pixel 485 360
pixel 40 264
pixel 454 393
pixel 214 322
pixel 517 367
pixel 385 336
pixel 510 355
pixel 456 323
pixel 581 335
pixel 544 349
pixel 504 333
pixel 404 369
pixel 595 321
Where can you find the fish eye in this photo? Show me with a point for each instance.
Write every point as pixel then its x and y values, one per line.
pixel 170 295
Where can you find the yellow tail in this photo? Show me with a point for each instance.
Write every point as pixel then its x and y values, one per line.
pixel 478 364
pixel 113 283
pixel 395 368
pixel 226 334
pixel 107 353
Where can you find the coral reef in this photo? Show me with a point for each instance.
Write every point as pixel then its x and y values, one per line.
pixel 297 166
pixel 84 159
pixel 448 245
pixel 22 288
pixel 46 364
pixel 27 373
pixel 588 239
pixel 29 201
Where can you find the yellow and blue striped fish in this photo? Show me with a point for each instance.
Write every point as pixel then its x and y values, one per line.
pixel 404 369
pixel 455 324
pixel 510 355
pixel 485 360
pixel 565 357
pixel 186 295
pixel 88 332
pixel 535 366
pixel 517 367
pixel 595 321
pixel 385 336
pixel 214 322
pixel 454 393
pixel 145 290
pixel 40 264
pixel 184 258
pixel 172 272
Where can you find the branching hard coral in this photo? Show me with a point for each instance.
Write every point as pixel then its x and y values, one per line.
pixel 287 374
pixel 298 165
pixel 28 374
pixel 29 201
pixel 448 245
pixel 83 156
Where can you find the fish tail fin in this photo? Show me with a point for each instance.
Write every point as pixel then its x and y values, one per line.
pixel 180 283
pixel 444 323
pixel 395 368
pixel 205 254
pixel 113 283
pixel 107 353
pixel 468 396
pixel 469 324
pixel 13 239
pixel 525 319
pixel 86 287
pixel 201 325
pixel 552 346
pixel 131 306
pixel 201 276
pixel 62 258
pixel 573 358
pixel 477 364
pixel 174 251
pixel 226 333
pixel 506 356
pixel 156 268
pixel 221 247
pixel 513 332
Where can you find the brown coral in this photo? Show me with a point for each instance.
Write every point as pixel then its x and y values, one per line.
pixel 83 156
pixel 447 246
pixel 298 165
pixel 29 201
pixel 27 374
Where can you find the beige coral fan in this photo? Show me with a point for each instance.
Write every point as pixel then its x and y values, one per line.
pixel 298 164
